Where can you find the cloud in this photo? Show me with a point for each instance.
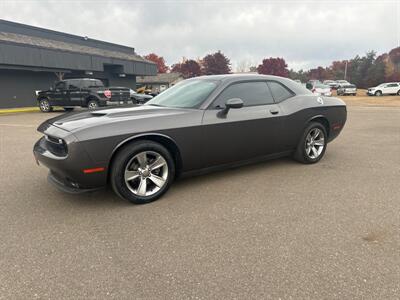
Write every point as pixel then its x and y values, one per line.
pixel 305 33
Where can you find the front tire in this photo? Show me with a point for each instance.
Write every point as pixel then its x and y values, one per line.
pixel 44 106
pixel 378 93
pixel 312 145
pixel 398 93
pixel 142 172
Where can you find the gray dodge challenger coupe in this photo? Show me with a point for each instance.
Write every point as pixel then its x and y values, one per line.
pixel 199 125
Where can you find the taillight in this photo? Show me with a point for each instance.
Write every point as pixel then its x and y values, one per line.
pixel 107 93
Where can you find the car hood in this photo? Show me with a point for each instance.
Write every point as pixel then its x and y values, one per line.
pixel 77 121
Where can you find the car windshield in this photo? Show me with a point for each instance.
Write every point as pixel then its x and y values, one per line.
pixel 186 94
pixel 322 86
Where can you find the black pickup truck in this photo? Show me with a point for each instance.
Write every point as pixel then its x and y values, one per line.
pixel 84 92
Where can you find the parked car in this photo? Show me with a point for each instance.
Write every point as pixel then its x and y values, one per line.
pixel 341 82
pixel 349 89
pixel 321 89
pixel 84 92
pixel 390 88
pixel 139 98
pixel 331 83
pixel 200 124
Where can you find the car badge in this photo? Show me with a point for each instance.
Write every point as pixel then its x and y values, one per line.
pixel 320 100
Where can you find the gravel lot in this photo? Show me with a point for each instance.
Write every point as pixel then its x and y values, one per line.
pixel 273 230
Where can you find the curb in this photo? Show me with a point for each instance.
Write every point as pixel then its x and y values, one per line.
pixel 18 110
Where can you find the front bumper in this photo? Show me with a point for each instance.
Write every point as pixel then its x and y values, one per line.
pixel 68 171
pixel 67 187
pixel 370 93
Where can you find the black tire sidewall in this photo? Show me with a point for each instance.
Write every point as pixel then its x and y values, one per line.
pixel 120 162
pixel 301 154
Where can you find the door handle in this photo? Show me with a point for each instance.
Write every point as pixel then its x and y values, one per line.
pixel 274 111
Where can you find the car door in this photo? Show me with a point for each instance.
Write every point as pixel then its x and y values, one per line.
pixel 58 94
pixel 241 133
pixel 73 94
pixel 392 88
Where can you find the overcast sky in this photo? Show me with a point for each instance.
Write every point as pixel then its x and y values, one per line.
pixel 305 33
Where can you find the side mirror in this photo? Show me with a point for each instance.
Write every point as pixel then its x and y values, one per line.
pixel 234 103
pixel 231 103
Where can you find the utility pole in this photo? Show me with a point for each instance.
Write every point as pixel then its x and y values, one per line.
pixel 345 71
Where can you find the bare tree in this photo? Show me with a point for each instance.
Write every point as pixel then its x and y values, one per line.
pixel 243 66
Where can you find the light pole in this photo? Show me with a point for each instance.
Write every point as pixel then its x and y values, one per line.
pixel 345 70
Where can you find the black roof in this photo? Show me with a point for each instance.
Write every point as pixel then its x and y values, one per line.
pixel 53 49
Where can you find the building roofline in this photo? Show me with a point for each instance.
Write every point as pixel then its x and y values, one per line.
pixel 63 34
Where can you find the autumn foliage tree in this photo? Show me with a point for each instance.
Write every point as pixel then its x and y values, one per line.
pixel 216 63
pixel 273 66
pixel 159 61
pixel 188 68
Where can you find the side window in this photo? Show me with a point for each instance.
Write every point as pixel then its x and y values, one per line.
pixel 252 93
pixel 60 85
pixel 86 83
pixel 73 85
pixel 279 91
pixel 392 85
pixel 98 83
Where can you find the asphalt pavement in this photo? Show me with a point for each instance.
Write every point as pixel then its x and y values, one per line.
pixel 275 230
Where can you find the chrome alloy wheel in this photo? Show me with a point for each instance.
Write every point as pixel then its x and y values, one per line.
pixel 146 173
pixel 44 105
pixel 92 105
pixel 315 143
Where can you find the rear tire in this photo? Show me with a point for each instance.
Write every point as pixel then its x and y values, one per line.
pixel 312 145
pixel 142 172
pixel 44 106
pixel 92 104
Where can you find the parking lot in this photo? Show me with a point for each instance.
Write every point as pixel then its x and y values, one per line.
pixel 278 230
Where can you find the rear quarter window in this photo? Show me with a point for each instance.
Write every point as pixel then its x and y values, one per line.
pixel 279 91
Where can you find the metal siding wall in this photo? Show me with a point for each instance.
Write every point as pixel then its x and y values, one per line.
pixel 18 87
pixel 17 55
pixel 128 81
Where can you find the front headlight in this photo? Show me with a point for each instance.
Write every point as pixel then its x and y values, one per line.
pixel 55 145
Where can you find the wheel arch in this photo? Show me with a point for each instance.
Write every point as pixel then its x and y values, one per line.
pixel 43 97
pixel 162 139
pixel 323 120
pixel 91 97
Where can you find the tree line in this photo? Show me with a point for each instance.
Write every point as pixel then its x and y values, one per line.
pixel 364 71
